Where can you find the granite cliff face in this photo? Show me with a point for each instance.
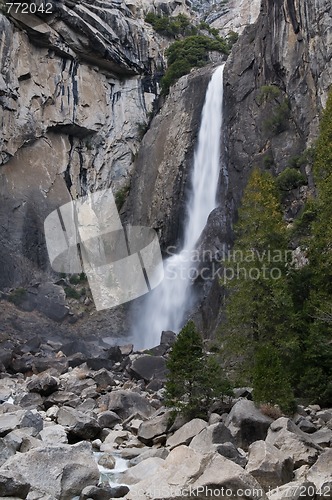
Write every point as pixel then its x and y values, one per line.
pixel 80 111
pixel 287 51
pixel 76 91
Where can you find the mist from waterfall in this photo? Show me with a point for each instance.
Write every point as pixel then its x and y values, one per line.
pixel 165 307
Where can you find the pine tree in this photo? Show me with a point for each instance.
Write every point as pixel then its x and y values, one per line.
pixel 195 378
pixel 316 378
pixel 260 310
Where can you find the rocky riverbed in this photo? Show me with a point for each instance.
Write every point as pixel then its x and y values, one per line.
pixel 81 420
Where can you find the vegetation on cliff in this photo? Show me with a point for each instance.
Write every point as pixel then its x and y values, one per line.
pixel 280 323
pixel 193 51
pixel 192 46
pixel 260 311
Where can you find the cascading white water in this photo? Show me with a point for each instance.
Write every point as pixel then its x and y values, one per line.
pixel 165 307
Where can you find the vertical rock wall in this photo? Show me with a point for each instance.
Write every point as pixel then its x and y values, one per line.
pixel 76 92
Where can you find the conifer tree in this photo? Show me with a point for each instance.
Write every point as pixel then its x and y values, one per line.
pixel 260 315
pixel 195 378
pixel 316 378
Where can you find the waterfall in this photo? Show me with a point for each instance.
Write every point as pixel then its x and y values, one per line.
pixel 165 307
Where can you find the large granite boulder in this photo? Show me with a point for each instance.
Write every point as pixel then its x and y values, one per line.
pixel 148 367
pixel 60 471
pixel 268 465
pixel 204 476
pixel 247 424
pixel 126 403
pixel 79 425
pixel 153 427
pixel 13 485
pixel 320 474
pixel 186 433
pixel 292 442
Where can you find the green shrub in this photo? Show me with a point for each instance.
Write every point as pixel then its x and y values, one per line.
pixel 267 93
pixel 302 224
pixel 120 197
pixel 268 161
pixel 142 129
pixel 278 122
pixel 183 55
pixel 74 279
pixel 171 26
pixel 71 293
pixel 290 179
pixel 232 38
pixel 206 27
pixel 18 296
pixel 270 379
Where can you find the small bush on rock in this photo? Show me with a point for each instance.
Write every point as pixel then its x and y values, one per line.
pixel 193 51
pixel 290 179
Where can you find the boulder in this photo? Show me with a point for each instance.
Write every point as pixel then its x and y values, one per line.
pixel 210 437
pixel 292 442
pixel 214 418
pixel 15 438
pixel 268 465
pixel 306 426
pixel 80 425
pixel 114 353
pixel 186 433
pixel 77 346
pixel 321 474
pixel 151 452
pixel 59 398
pixel 103 378
pixel 7 450
pixel 113 440
pixel 38 364
pixel 323 437
pixel 168 338
pixel 296 490
pixel 59 471
pixel 20 419
pixel 148 367
pixel 247 424
pixel 228 450
pixel 108 419
pixel 101 363
pixel 107 460
pixel 143 469
pixel 51 301
pixel 127 349
pixel 7 387
pixel 87 406
pixel 103 492
pixel 30 401
pixel 153 427
pixel 324 415
pixel 6 356
pixel 31 419
pixel 43 384
pixel 187 473
pixel 8 422
pixel 125 403
pixel 13 485
pixel 54 434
